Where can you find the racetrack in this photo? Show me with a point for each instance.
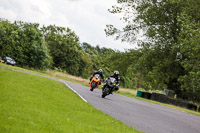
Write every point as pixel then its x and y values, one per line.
pixel 141 115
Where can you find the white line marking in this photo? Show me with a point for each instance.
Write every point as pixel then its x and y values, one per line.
pixel 76 92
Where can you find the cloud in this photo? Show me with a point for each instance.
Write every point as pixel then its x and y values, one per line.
pixel 87 18
pixel 8 14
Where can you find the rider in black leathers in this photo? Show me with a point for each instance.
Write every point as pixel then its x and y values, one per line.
pixel 100 72
pixel 117 77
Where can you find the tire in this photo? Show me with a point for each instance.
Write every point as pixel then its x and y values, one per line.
pixel 105 92
pixel 93 84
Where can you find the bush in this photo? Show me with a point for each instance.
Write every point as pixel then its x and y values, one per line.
pixel 146 95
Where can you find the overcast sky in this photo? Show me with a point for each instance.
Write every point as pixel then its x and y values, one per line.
pixel 87 18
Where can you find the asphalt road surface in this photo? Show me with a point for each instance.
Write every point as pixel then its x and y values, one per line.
pixel 143 116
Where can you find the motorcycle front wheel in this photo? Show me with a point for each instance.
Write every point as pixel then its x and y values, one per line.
pixel 105 92
pixel 93 85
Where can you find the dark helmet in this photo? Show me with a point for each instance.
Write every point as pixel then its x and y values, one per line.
pixel 116 73
pixel 100 70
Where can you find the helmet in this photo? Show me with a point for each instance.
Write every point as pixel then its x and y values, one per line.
pixel 116 73
pixel 100 70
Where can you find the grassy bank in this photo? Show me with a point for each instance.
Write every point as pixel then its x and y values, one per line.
pixel 30 103
pixel 123 91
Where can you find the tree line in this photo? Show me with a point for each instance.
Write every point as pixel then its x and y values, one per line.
pixel 58 48
pixel 169 56
pixel 46 47
pixel 51 47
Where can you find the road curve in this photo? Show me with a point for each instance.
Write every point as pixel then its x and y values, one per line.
pixel 143 116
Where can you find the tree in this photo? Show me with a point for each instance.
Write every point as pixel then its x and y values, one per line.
pixel 33 43
pixel 24 42
pixel 89 49
pixel 189 56
pixel 8 33
pixel 64 48
pixel 158 20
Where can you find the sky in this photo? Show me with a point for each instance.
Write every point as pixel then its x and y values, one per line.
pixel 87 18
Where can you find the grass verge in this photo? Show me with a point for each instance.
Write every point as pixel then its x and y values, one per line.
pixel 123 91
pixel 30 103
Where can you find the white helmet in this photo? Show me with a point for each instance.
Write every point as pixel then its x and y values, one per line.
pixel 116 73
pixel 100 70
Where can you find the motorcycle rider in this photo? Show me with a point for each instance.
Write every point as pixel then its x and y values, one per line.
pixel 100 72
pixel 117 77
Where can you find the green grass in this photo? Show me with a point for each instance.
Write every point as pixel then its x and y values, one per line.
pixel 30 103
pixel 50 73
pixel 67 77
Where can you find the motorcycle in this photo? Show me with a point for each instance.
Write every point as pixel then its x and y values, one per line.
pixel 94 83
pixel 111 84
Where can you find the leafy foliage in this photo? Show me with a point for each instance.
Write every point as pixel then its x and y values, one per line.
pixel 169 53
pixel 24 42
pixel 64 48
pixel 189 47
